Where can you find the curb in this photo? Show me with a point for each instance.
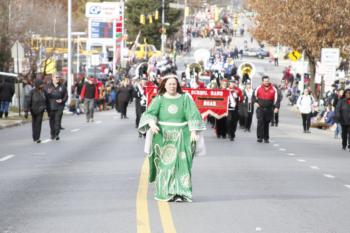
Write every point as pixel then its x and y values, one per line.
pixel 23 122
pixel 18 123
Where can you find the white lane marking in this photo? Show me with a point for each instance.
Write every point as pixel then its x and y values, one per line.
pixel 314 167
pixel 98 122
pixel 301 160
pixel 291 154
pixel 7 157
pixel 115 117
pixel 329 176
pixel 347 186
pixel 276 145
pixel 272 141
pixel 283 149
pixel 258 229
pixel 46 141
pixel 75 130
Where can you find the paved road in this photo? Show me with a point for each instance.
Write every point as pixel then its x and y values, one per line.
pixel 89 182
pixel 94 181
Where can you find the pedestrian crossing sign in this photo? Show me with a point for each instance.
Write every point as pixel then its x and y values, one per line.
pixel 294 55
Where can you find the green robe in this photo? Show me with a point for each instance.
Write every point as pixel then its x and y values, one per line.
pixel 170 158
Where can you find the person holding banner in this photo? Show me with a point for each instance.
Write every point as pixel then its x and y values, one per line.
pixel 248 106
pixel 235 98
pixel 174 120
pixel 266 98
pixel 221 124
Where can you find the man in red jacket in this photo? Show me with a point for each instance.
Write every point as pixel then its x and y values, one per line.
pixel 89 94
pixel 266 98
pixel 235 97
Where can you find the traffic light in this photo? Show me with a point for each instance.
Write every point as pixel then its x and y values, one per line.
pixel 156 15
pixel 236 19
pixel 150 19
pixel 142 19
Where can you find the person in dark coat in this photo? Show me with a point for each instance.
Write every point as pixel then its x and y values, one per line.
pixel 342 116
pixel 7 90
pixel 139 94
pixel 37 106
pixel 221 124
pixel 63 83
pixel 78 88
pixel 57 95
pixel 124 93
pixel 276 115
pixel 266 98
pixel 235 99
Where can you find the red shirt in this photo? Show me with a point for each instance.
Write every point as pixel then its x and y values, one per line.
pixel 239 93
pixel 200 84
pixel 264 93
pixel 266 96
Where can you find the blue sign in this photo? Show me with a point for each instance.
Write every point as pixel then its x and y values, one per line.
pixel 103 30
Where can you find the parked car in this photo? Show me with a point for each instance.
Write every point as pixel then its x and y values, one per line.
pixel 256 52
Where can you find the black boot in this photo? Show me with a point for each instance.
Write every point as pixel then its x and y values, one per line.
pixel 1 114
pixel 6 114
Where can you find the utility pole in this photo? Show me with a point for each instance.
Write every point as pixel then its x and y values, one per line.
pixel 18 86
pixel 163 29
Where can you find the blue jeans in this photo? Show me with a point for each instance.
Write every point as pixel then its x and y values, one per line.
pixel 4 106
pixel 337 130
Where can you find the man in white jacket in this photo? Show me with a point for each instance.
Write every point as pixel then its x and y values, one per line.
pixel 305 106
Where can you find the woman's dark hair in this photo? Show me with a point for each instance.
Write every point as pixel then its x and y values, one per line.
pixel 162 89
pixel 345 91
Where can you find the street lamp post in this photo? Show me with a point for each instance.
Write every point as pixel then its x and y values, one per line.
pixel 69 71
pixel 78 34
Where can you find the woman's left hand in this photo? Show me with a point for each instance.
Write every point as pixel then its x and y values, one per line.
pixel 194 136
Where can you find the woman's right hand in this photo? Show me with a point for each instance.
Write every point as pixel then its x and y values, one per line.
pixel 154 127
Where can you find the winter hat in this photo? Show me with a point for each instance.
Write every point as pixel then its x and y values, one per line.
pixel 38 83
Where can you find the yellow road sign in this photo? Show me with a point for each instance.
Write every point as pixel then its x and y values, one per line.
pixel 294 55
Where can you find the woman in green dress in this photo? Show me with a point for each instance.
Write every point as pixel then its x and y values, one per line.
pixel 173 119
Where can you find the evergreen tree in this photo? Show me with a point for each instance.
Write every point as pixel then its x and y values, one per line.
pixel 151 31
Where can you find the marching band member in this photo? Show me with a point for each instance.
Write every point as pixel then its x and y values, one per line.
pixel 221 124
pixel 235 97
pixel 248 106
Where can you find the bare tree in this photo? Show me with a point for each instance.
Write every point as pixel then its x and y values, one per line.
pixel 307 25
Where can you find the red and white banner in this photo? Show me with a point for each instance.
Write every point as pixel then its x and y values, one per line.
pixel 212 102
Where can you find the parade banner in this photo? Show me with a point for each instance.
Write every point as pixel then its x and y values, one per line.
pixel 212 102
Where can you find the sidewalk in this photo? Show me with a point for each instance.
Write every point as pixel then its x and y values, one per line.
pixel 296 115
pixel 15 120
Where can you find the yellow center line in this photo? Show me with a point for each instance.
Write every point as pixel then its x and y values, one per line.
pixel 142 216
pixel 142 213
pixel 166 217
